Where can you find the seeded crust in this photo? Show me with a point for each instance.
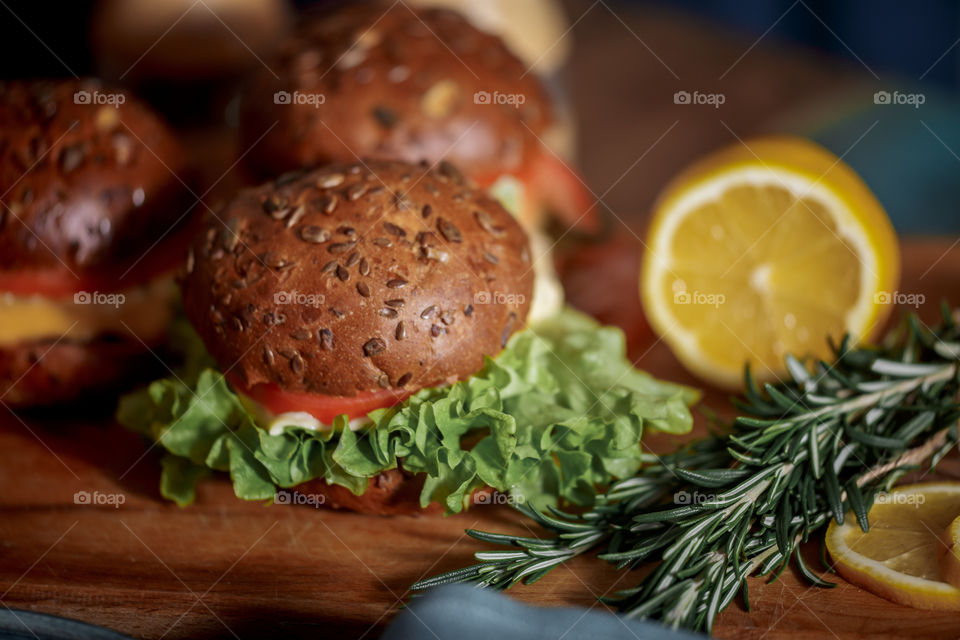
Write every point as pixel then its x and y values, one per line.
pixel 46 373
pixel 397 83
pixel 358 277
pixel 88 185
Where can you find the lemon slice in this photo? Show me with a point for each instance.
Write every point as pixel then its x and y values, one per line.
pixel 762 249
pixel 951 560
pixel 901 557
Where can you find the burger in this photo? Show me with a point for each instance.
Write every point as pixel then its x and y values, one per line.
pixel 361 339
pixel 387 81
pixel 90 204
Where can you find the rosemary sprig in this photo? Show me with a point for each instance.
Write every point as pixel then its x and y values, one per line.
pixel 740 504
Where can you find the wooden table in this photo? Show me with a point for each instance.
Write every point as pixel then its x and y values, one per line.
pixel 224 567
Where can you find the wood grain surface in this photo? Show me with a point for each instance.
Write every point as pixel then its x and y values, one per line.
pixel 225 568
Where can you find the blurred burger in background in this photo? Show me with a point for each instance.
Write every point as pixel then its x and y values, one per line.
pixel 93 211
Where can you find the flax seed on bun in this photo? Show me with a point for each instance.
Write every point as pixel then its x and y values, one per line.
pixel 358 277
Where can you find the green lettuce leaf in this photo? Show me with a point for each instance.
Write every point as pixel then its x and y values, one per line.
pixel 557 415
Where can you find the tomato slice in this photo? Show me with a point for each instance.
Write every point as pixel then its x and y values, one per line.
pixel 52 283
pixel 561 191
pixel 556 188
pixel 323 408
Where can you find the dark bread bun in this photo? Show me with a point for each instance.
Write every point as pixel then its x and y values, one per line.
pixel 55 372
pixel 396 83
pixel 90 173
pixel 358 277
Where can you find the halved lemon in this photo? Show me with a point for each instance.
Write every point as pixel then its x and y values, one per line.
pixel 951 559
pixel 762 249
pixel 901 557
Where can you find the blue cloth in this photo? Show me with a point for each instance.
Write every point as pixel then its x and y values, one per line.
pixel 16 624
pixel 460 612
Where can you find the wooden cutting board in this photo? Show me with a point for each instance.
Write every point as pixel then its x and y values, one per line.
pixel 224 568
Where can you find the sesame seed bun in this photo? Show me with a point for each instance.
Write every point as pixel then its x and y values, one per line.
pixel 393 82
pixel 358 277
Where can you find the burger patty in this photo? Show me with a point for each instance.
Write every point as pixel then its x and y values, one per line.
pixel 389 493
pixel 46 371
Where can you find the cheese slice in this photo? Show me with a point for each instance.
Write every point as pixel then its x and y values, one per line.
pixel 548 295
pixel 548 298
pixel 144 311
